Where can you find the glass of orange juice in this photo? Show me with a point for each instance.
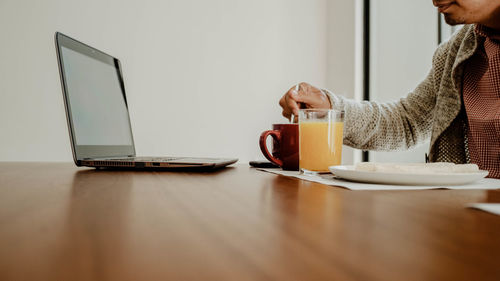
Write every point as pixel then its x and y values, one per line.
pixel 321 134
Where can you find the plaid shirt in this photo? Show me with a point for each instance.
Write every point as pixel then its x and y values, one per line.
pixel 481 96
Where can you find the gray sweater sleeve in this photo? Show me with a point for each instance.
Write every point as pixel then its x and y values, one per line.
pixel 391 125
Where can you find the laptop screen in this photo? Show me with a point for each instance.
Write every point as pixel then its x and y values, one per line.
pixel 95 101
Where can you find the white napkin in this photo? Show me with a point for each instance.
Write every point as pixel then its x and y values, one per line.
pixel 329 179
pixel 493 208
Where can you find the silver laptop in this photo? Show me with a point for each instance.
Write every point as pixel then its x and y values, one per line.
pixel 97 113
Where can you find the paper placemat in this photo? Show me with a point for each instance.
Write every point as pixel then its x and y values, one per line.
pixel 493 208
pixel 329 179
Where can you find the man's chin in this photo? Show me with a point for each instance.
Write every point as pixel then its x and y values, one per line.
pixel 451 20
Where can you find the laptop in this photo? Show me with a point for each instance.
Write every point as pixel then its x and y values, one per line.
pixel 97 113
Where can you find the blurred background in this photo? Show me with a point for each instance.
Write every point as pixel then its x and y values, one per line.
pixel 203 78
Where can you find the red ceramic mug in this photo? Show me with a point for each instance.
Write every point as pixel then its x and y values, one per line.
pixel 285 146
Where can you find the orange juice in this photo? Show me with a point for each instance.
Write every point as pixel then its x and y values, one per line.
pixel 320 145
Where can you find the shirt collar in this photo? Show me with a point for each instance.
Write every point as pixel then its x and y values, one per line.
pixel 484 31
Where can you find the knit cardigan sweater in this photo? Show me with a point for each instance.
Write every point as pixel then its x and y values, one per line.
pixel 434 109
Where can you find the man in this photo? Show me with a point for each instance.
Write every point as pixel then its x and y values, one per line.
pixel 457 105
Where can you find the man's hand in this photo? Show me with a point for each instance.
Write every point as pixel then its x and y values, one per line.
pixel 307 96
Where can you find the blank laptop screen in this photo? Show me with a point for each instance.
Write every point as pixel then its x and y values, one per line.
pixel 98 106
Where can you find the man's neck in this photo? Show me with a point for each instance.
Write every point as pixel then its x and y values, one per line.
pixel 492 29
pixel 493 21
pixel 493 26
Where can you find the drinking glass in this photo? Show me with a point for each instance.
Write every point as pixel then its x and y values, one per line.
pixel 321 134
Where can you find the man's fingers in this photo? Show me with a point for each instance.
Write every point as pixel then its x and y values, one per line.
pixel 286 114
pixel 287 104
pixel 303 96
pixel 306 96
pixel 283 101
pixel 291 103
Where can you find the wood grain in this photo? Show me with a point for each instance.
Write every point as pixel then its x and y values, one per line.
pixel 59 222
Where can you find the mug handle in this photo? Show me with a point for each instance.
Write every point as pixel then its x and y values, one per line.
pixel 263 146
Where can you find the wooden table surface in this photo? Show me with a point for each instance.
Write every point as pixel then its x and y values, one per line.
pixel 59 222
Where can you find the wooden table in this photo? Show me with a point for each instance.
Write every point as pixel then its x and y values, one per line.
pixel 59 222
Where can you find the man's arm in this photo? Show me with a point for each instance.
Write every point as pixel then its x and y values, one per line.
pixel 393 125
pixel 383 126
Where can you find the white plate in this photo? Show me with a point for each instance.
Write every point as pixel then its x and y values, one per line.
pixel 347 172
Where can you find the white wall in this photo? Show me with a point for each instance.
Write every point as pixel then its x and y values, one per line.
pixel 344 56
pixel 203 78
pixel 402 41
